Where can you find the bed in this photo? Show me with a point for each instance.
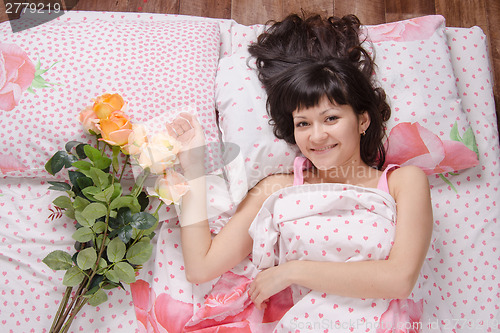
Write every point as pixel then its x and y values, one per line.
pixel 439 84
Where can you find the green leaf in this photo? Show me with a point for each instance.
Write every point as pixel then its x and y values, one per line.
pixel 448 182
pixel 70 212
pixel 92 153
pixel 454 135
pixel 126 201
pixel 98 297
pixel 100 178
pixel 117 191
pixel 124 272
pixel 469 140
pixel 125 233
pixel 103 264
pixel 59 186
pixel 116 250
pixel 143 200
pixel 116 164
pixel 112 276
pixel 58 161
pixel 111 284
pixel 105 195
pixel 123 217
pixel 95 284
pixel 95 210
pixel 152 229
pixel 143 220
pixel 80 203
pixel 82 220
pixel 139 253
pixel 90 191
pixel 63 202
pixel 84 165
pixel 39 82
pixel 99 241
pixel 73 277
pixel 80 150
pixel 58 260
pixel 83 234
pixel 71 144
pixel 99 227
pixel 84 182
pixel 86 258
pixel 102 163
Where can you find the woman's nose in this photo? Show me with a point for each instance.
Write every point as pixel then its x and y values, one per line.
pixel 318 133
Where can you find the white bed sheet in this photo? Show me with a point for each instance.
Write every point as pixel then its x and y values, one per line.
pixel 465 264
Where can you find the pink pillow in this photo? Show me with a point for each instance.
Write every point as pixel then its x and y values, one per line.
pixel 49 73
pixel 428 127
pixel 413 66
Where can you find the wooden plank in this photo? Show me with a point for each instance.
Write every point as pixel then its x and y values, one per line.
pixel 207 8
pixel 3 15
pixel 493 34
pixel 397 10
pixel 368 11
pixel 147 6
pixel 322 7
pixel 460 13
pixel 249 12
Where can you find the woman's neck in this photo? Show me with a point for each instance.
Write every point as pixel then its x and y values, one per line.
pixel 355 174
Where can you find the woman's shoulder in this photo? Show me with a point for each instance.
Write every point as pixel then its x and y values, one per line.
pixel 408 170
pixel 274 182
pixel 407 178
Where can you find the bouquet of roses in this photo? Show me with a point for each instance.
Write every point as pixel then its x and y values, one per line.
pixel 113 229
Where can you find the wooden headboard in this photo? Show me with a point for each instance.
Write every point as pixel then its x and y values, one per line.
pixel 458 13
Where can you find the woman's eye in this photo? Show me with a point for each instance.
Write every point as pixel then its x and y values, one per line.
pixel 332 118
pixel 301 124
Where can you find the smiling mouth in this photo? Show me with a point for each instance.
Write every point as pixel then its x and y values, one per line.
pixel 323 148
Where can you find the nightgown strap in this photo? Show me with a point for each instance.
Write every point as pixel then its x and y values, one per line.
pixel 299 165
pixel 382 183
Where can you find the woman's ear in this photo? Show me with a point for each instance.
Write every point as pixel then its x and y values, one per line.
pixel 364 121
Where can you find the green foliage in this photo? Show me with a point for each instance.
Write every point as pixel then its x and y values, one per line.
pixel 113 230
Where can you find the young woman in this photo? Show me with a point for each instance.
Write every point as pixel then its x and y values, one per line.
pixel 331 110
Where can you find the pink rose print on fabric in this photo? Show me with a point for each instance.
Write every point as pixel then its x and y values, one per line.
pixel 160 314
pixel 228 304
pixel 405 31
pixel 413 144
pixel 10 163
pixel 402 316
pixel 16 74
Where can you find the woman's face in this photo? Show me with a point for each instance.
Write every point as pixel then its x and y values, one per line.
pixel 329 135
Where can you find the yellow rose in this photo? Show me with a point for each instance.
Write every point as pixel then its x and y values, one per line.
pixel 106 104
pixel 116 129
pixel 159 154
pixel 137 140
pixel 89 120
pixel 170 187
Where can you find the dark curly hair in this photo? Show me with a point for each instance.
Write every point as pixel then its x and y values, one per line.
pixel 300 61
pixel 298 38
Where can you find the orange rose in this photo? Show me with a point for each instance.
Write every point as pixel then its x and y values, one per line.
pixel 116 129
pixel 89 120
pixel 106 104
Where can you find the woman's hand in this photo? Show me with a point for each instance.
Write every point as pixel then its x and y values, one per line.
pixel 268 283
pixel 188 131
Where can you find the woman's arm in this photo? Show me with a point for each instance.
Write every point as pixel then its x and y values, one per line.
pixel 391 278
pixel 206 258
